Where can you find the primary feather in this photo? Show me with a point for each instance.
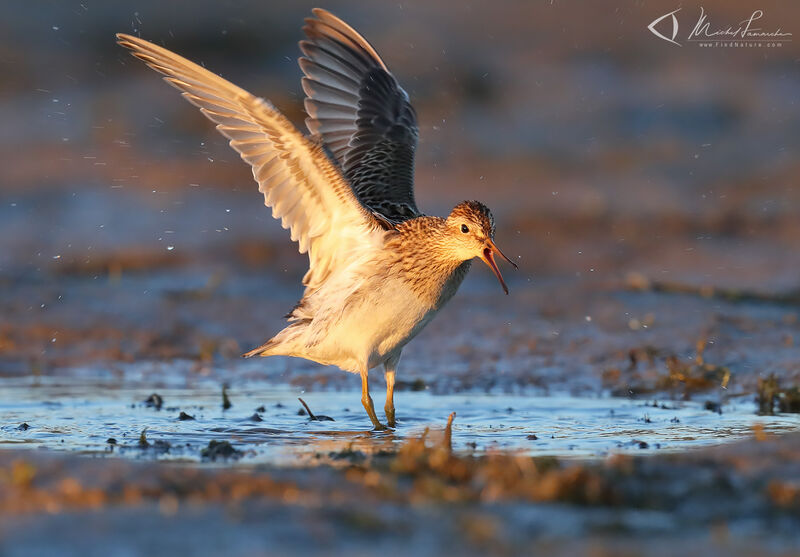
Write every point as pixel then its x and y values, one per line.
pixel 302 186
pixel 362 115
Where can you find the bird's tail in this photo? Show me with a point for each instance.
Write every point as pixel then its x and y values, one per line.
pixel 261 350
pixel 284 343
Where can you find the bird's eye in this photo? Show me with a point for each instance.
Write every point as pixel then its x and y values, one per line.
pixel 464 228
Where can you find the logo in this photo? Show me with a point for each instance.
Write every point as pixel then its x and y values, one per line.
pixel 747 33
pixel 658 20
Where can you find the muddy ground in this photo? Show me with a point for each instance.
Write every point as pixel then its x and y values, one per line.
pixel 648 193
pixel 741 499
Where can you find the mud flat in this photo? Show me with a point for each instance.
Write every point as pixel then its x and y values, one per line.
pixel 738 499
pixel 89 466
pixel 637 393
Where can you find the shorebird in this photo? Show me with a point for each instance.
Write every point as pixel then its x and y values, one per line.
pixel 379 269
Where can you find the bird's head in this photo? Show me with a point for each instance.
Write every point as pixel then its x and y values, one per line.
pixel 470 226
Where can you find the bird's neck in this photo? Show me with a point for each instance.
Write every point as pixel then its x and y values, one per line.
pixel 425 261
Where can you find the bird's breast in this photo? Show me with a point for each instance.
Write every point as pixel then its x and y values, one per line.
pixel 370 317
pixel 407 306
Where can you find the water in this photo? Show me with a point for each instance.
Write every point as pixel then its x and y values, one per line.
pixel 82 416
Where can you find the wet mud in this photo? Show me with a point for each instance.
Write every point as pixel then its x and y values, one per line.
pixel 732 500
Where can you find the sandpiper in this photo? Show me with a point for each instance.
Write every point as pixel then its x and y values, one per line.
pixel 379 269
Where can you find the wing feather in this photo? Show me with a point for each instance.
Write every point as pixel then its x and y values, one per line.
pixel 362 115
pixel 305 190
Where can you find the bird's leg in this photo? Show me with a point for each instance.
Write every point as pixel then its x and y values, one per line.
pixel 390 366
pixel 366 400
pixel 389 408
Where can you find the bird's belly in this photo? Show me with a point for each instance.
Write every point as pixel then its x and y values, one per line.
pixel 396 329
pixel 377 323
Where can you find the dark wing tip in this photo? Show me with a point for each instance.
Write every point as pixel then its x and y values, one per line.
pixel 327 24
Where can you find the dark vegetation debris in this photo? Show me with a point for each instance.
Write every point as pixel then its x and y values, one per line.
pixel 448 432
pixel 226 402
pixel 154 401
pixel 311 415
pixel 349 454
pixel 694 375
pixel 220 449
pixel 440 474
pixel 161 446
pixel 650 370
pixel 771 396
pixel 185 417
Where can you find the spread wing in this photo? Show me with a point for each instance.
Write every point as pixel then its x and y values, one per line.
pixel 362 115
pixel 304 188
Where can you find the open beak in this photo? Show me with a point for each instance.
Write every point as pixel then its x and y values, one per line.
pixel 488 257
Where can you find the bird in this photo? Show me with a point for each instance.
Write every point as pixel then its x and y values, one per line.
pixel 379 268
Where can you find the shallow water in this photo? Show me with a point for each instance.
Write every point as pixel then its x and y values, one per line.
pixel 83 416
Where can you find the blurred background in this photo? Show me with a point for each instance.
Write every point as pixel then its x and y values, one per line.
pixel 648 190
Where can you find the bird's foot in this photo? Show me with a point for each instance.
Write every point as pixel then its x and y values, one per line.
pixel 379 427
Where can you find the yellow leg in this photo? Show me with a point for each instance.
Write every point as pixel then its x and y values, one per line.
pixel 366 400
pixel 389 408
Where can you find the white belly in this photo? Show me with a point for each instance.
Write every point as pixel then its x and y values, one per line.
pixel 361 321
pixel 368 327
